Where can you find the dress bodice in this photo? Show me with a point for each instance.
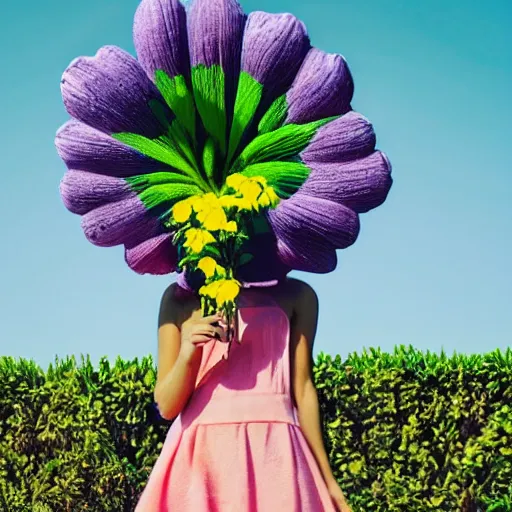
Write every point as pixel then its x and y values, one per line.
pixel 261 344
pixel 258 363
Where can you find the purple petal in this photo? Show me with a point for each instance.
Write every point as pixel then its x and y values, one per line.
pixel 274 48
pixel 124 222
pixel 160 37
pixel 349 137
pixel 215 35
pixel 83 191
pixel 323 88
pixel 361 184
pixel 111 92
pixel 307 255
pixel 314 218
pixel 157 256
pixel 84 148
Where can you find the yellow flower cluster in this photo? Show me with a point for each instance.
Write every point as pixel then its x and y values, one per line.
pixel 252 193
pixel 223 291
pixel 213 214
pixel 209 212
pixel 196 239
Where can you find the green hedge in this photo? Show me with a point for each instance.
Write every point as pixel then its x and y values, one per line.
pixel 405 431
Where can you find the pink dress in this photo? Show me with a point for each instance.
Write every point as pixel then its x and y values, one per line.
pixel 237 446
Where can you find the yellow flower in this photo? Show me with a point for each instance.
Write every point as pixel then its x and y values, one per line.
pixel 274 198
pixel 208 266
pixel 245 204
pixel 231 226
pixel 221 271
pixel 235 180
pixel 222 290
pixel 227 291
pixel 260 179
pixel 210 290
pixel 204 202
pixel 196 239
pixel 229 201
pixel 182 211
pixel 242 203
pixel 268 198
pixel 212 219
pixel 209 212
pixel 264 200
pixel 250 190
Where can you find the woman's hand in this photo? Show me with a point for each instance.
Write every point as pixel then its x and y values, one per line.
pixel 338 497
pixel 199 332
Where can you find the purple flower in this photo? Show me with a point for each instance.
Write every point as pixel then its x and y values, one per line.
pixel 212 92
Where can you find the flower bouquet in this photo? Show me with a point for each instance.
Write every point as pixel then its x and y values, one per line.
pixel 212 229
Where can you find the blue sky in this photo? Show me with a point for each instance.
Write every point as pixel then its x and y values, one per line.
pixel 431 267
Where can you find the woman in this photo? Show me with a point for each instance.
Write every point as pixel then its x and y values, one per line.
pixel 238 443
pixel 226 128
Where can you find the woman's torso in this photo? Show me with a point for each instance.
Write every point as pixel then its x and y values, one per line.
pixel 252 382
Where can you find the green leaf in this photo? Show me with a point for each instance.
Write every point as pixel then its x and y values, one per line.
pixel 248 98
pixel 336 423
pixel 209 93
pixel 285 177
pixel 179 98
pixel 189 259
pixel 178 138
pixel 275 115
pixel 165 196
pixel 285 142
pixel 143 181
pixel 209 158
pixel 158 149
pixel 211 250
pixel 355 466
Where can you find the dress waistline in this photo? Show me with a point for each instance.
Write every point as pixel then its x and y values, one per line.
pixel 240 408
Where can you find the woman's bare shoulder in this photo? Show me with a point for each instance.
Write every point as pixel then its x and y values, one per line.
pixel 171 296
pixel 299 289
pixel 176 305
pixel 295 295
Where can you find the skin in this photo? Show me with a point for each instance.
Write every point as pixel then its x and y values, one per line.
pixel 183 332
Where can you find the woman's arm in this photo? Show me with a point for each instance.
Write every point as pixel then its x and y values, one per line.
pixel 303 331
pixel 176 374
pixel 180 347
pixel 302 335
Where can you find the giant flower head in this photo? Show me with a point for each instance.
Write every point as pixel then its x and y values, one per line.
pixel 214 93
